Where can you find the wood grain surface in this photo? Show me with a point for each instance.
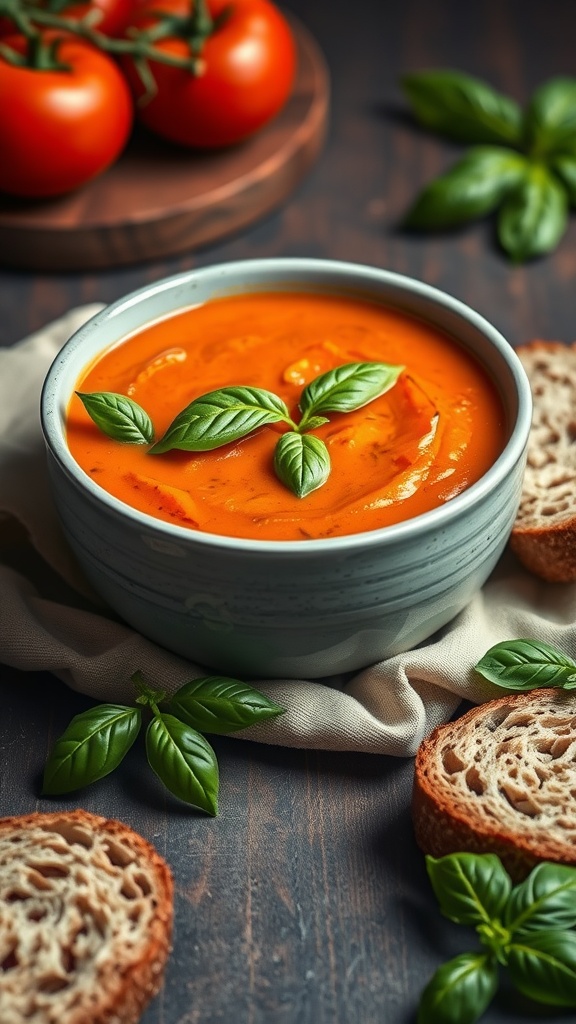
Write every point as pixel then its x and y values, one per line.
pixel 306 901
pixel 160 199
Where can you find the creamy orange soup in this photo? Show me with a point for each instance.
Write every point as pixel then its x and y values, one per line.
pixel 437 430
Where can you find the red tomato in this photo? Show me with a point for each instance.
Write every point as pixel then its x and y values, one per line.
pixel 113 15
pixel 246 74
pixel 58 129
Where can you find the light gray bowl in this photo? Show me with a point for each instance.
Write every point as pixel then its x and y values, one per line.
pixel 288 608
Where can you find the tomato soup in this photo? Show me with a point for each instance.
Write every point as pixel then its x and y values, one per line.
pixel 435 432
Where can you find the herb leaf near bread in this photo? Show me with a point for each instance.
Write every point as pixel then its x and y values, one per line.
pixel 523 164
pixel 218 418
pixel 527 929
pixel 527 665
pixel 97 740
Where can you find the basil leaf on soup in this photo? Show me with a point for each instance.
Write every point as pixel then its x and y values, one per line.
pixel 184 761
pixel 542 966
pixel 463 107
pixel 301 462
pixel 460 990
pixel 470 888
pixel 346 388
pixel 474 187
pixel 527 665
pixel 221 705
pixel 534 215
pixel 92 746
pixel 550 119
pixel 118 417
pixel 220 417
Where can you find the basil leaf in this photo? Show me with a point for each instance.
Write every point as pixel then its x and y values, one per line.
pixel 219 417
pixel 545 900
pixel 550 120
pixel 184 761
pixel 471 888
pixel 92 746
pixel 565 166
pixel 474 187
pixel 534 215
pixel 118 417
pixel 543 967
pixel 527 665
pixel 301 462
pixel 346 388
pixel 460 991
pixel 463 107
pixel 221 705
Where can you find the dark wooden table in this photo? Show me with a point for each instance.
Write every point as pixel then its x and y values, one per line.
pixel 306 900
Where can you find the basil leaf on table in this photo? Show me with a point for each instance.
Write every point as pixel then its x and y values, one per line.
pixel 301 462
pixel 184 761
pixel 470 888
pixel 565 166
pixel 221 705
pixel 534 215
pixel 118 417
pixel 545 900
pixel 474 187
pixel 92 746
pixel 460 990
pixel 346 388
pixel 220 417
pixel 462 107
pixel 527 665
pixel 550 120
pixel 543 967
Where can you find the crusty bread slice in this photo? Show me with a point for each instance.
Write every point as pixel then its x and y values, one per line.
pixel 501 779
pixel 544 534
pixel 85 920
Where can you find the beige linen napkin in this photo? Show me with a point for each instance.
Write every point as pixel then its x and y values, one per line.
pixel 50 621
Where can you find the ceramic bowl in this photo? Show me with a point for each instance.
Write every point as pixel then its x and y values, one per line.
pixel 307 608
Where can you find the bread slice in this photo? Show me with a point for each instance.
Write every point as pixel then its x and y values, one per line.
pixel 544 534
pixel 501 779
pixel 85 920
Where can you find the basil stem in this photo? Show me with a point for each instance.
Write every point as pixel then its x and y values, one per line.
pixel 92 746
pixel 301 462
pixel 118 417
pixel 220 705
pixel 527 665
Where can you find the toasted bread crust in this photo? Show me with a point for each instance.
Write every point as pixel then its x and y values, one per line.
pixel 90 918
pixel 544 534
pixel 498 779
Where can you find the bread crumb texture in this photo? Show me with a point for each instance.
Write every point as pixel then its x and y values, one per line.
pixel 502 778
pixel 544 534
pixel 85 920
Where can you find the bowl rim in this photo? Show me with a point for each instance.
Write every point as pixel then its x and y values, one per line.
pixel 293 267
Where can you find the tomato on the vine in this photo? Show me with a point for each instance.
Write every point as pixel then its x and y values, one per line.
pixel 245 74
pixel 61 126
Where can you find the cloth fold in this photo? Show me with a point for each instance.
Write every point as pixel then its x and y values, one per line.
pixel 50 620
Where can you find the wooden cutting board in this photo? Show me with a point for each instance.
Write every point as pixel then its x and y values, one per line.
pixel 159 200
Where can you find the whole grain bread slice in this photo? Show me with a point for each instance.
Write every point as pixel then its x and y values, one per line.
pixel 501 779
pixel 85 920
pixel 544 534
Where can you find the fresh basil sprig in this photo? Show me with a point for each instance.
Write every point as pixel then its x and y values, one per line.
pixel 527 665
pixel 96 741
pixel 523 165
pixel 301 460
pixel 527 929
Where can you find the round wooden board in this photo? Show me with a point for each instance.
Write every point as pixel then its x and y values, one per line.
pixel 159 200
